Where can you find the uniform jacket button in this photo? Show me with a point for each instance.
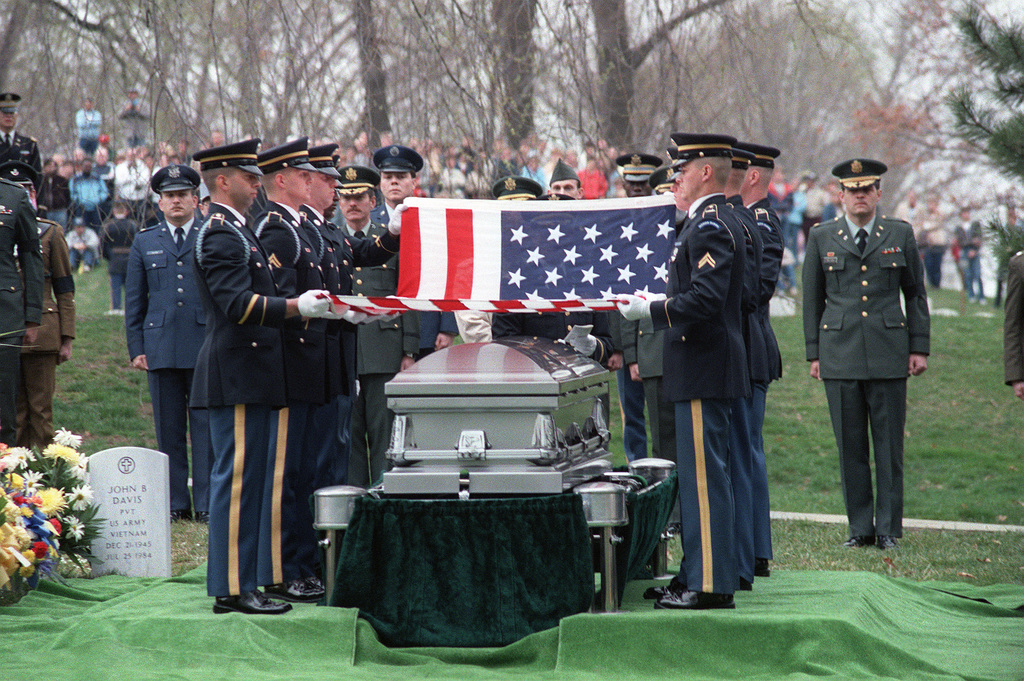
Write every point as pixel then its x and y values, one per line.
pixel 864 313
pixel 254 343
pixel 863 268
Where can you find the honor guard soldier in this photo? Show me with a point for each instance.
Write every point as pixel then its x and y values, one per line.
pixel 386 346
pixel 742 435
pixel 165 323
pixel 356 198
pixel 705 365
pixel 15 147
pixel 754 195
pixel 294 253
pixel 21 305
pixel 516 188
pixel 660 181
pixel 240 377
pixel 56 330
pixel 636 169
pixel 863 346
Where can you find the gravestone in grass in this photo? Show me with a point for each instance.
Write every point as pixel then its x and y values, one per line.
pixel 131 487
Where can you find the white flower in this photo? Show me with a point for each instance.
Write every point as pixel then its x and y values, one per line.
pixel 32 479
pixel 74 527
pixel 81 469
pixel 80 497
pixel 67 438
pixel 17 457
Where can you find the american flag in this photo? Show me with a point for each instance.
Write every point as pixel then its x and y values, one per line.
pixel 462 250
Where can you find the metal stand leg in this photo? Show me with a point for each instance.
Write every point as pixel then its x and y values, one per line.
pixel 330 547
pixel 608 595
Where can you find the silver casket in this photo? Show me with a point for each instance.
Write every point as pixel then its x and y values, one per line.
pixel 512 417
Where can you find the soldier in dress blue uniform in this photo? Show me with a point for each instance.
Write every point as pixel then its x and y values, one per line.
pixel 384 347
pixel 165 324
pixel 22 300
pixel 15 147
pixel 863 345
pixel 754 194
pixel 240 377
pixel 294 252
pixel 635 169
pixel 356 195
pixel 705 365
pixel 742 435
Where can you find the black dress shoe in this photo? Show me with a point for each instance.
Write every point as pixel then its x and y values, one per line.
pixel 761 568
pixel 653 593
pixel 297 591
pixel 745 585
pixel 887 542
pixel 694 600
pixel 180 515
pixel 250 603
pixel 202 517
pixel 859 542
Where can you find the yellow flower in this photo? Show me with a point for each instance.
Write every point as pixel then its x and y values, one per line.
pixel 52 501
pixel 28 571
pixel 17 482
pixel 26 511
pixel 55 451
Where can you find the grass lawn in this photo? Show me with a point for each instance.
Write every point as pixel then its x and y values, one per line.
pixel 964 452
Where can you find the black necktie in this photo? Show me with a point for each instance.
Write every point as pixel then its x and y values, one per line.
pixel 862 240
pixel 179 237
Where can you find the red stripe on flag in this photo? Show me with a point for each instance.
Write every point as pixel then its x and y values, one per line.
pixel 460 254
pixel 409 272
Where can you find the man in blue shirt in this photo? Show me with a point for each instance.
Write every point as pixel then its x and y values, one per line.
pixel 87 195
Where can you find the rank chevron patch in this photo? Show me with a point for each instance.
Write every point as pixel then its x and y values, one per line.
pixel 706 260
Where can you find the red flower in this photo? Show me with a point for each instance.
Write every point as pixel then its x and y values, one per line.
pixel 18 499
pixel 40 549
pixel 56 525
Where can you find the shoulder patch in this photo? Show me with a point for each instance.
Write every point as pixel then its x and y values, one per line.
pixel 709 223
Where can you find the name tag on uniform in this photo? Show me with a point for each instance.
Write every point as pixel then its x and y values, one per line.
pixel 830 259
pixel 154 252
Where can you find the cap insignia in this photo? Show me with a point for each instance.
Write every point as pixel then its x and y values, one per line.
pixel 635 160
pixel 856 167
pixel 393 151
pixel 510 184
pixel 350 174
pixel 174 172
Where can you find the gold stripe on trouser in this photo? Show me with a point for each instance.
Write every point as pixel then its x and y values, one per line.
pixel 235 510
pixel 275 504
pixel 703 506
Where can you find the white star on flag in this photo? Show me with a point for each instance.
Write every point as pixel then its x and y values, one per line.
pixel 555 234
pixel 661 272
pixel 608 293
pixel 534 296
pixel 628 232
pixel 643 252
pixel 571 295
pixel 516 278
pixel 625 274
pixel 665 229
pixel 571 255
pixel 608 254
pixel 553 277
pixel 519 234
pixel 589 275
pixel 592 233
pixel 534 256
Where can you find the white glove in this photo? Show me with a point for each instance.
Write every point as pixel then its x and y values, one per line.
pixel 354 316
pixel 395 225
pixel 581 340
pixel 634 308
pixel 315 304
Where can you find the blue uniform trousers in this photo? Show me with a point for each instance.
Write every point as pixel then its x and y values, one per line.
pixel 241 437
pixel 705 496
pixel 290 488
pixel 169 389
pixel 631 404
pixel 759 481
pixel 741 465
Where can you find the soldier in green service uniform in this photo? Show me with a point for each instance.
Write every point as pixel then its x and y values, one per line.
pixel 860 343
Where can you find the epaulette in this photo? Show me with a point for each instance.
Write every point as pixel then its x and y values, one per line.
pixel 9 183
pixel 278 218
pixel 220 222
pixel 710 209
pixel 762 218
pixel 47 221
pixel 149 227
pixel 889 219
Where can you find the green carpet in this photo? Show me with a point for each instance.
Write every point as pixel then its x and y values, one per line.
pixel 794 625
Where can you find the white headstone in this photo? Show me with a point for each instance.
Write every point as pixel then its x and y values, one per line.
pixel 130 485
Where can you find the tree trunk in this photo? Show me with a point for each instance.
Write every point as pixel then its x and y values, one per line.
pixel 514 21
pixel 615 72
pixel 9 40
pixel 375 78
